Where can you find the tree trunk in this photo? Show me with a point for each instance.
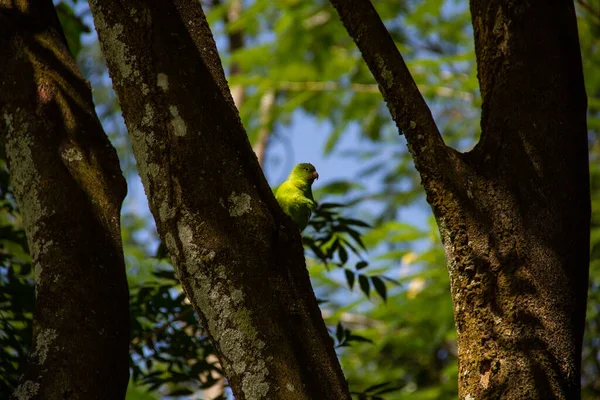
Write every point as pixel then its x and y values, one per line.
pixel 514 213
pixel 238 257
pixel 69 188
pixel 520 288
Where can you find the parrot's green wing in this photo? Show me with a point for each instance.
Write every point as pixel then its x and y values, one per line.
pixel 295 204
pixel 295 194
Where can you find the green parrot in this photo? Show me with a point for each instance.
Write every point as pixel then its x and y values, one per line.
pixel 295 194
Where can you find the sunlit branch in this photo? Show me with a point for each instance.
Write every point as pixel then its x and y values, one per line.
pixel 405 102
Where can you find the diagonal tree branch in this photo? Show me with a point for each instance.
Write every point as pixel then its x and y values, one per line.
pixel 239 259
pixel 405 102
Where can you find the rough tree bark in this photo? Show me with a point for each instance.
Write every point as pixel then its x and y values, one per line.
pixel 69 188
pixel 513 213
pixel 238 257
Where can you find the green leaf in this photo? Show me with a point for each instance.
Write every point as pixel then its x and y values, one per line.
pixel 380 287
pixel 363 281
pixel 349 278
pixel 356 236
pixel 361 264
pixel 320 255
pixel 343 254
pixel 357 338
pixel 161 251
pixel 339 332
pixel 356 222
pixel 73 27
pixel 374 388
pixel 332 249
pixel 331 205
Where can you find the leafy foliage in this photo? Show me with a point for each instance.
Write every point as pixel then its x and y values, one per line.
pixel 375 392
pixel 334 238
pixel 344 337
pixel 16 288
pixel 170 349
pixel 72 25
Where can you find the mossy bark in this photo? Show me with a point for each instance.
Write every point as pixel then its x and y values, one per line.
pixel 238 257
pixel 518 240
pixel 69 189
pixel 514 213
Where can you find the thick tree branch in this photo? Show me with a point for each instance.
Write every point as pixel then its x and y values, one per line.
pixel 517 232
pixel 69 188
pixel 514 213
pixel 238 257
pixel 405 102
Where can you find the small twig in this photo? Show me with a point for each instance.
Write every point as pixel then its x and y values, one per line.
pixel 326 86
pixel 332 86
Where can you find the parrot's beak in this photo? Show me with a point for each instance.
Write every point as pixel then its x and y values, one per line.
pixel 315 175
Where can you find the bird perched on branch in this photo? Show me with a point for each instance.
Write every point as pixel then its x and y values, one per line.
pixel 295 194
